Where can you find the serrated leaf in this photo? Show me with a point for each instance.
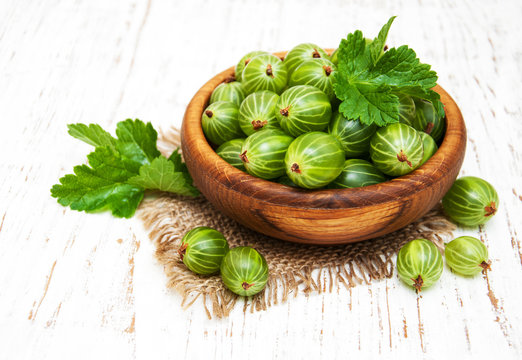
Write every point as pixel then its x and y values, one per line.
pixel 102 185
pixel 377 45
pixel 92 134
pixel 161 175
pixel 142 136
pixel 368 81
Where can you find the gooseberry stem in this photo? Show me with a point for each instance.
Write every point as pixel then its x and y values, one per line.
pixel 417 283
pixel 209 113
pixel 269 71
pixel 244 157
pixel 246 285
pixel 485 265
pixel 327 70
pixel 258 124
pixel 401 156
pixel 429 128
pixel 491 209
pixel 284 111
pixel 182 250
pixel 316 54
pixel 295 168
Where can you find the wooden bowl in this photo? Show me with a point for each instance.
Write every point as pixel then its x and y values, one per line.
pixel 325 217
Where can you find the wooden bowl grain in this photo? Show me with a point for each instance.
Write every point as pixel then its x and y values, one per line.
pixel 324 217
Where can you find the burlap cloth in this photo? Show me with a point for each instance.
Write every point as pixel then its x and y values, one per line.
pixel 294 268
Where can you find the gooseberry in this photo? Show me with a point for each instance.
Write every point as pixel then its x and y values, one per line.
pixel 314 159
pixel 231 151
pixel 427 119
pixel 257 111
pixel 353 135
pixel 244 61
pixel 303 108
pixel 220 122
pixel 230 90
pixel 419 264
pixel 263 153
pixel 467 256
pixel 244 271
pixel 302 53
pixel 264 72
pixel 470 201
pixel 317 72
pixel 357 173
pixel 396 149
pixel 202 250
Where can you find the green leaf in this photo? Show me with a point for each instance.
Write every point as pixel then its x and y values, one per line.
pixel 92 134
pixel 162 175
pixel 137 140
pixel 100 186
pixel 377 46
pixel 369 80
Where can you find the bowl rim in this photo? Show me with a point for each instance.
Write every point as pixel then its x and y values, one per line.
pixel 431 172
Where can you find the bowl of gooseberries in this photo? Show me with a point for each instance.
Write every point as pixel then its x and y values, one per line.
pixel 266 145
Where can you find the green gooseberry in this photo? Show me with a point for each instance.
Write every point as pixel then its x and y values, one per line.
pixel 244 271
pixel 429 147
pixel 257 112
pixel 467 256
pixel 264 72
pixel 302 53
pixel 316 72
pixel 303 108
pixel 263 153
pixel 470 201
pixel 406 109
pixel 244 62
pixel 353 135
pixel 419 264
pixel 314 159
pixel 220 122
pixel 230 90
pixel 427 119
pixel 396 149
pixel 231 152
pixel 357 173
pixel 202 250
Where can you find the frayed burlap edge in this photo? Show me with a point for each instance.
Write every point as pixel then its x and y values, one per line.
pixel 294 268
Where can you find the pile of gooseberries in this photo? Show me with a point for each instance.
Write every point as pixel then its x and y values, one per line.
pixel 278 119
pixel 205 251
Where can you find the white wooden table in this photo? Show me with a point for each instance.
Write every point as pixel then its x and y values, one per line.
pixel 78 286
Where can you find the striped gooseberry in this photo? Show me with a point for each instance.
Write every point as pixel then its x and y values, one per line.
pixel 263 153
pixel 244 271
pixel 231 151
pixel 302 53
pixel 353 135
pixel 470 201
pixel 357 173
pixel 467 256
pixel 396 149
pixel 303 108
pixel 264 72
pixel 230 90
pixel 317 72
pixel 427 119
pixel 314 159
pixel 244 62
pixel 419 264
pixel 257 112
pixel 202 250
pixel 220 122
